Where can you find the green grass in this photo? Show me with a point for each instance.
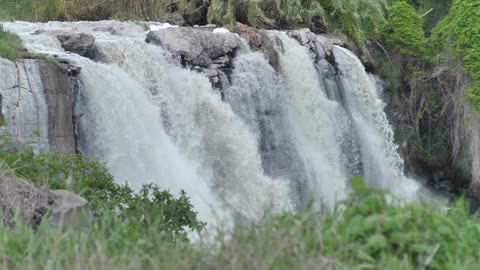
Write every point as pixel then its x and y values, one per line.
pixel 366 231
pixel 10 45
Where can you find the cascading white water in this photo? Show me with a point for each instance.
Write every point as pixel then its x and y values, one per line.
pixel 257 95
pixel 122 126
pixel 312 118
pixel 131 104
pixel 276 138
pixel 382 164
pixel 204 127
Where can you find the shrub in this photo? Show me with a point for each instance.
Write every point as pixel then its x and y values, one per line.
pixel 91 179
pixel 403 31
pixel 460 31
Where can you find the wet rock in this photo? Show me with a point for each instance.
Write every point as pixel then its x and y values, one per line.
pixel 196 47
pixel 320 45
pixel 258 40
pixel 79 43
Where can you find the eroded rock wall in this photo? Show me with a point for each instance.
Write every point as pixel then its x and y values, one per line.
pixel 37 104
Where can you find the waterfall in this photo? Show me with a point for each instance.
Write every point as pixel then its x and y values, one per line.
pixel 273 140
pixel 312 119
pixel 257 95
pixel 382 165
pixel 120 125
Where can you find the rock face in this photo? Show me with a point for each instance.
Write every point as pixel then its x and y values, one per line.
pixel 196 46
pixel 320 45
pixel 37 103
pixel 78 43
pixel 60 207
pixel 207 52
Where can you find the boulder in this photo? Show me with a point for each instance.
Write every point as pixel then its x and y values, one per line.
pixel 69 209
pixel 258 41
pixel 61 208
pixel 320 45
pixel 196 46
pixel 79 43
pixel 19 195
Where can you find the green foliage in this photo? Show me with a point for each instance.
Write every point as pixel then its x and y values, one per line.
pixel 10 45
pixel 149 207
pixel 389 71
pixel 45 10
pixel 403 30
pixel 267 13
pixel 359 20
pixel 460 31
pixel 111 244
pixel 368 230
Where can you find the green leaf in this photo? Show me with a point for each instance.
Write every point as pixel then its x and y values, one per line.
pixel 358 184
pixel 377 242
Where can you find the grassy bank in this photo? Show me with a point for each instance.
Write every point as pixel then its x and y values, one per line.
pixel 10 45
pixel 364 232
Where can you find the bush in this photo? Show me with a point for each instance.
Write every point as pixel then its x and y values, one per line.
pixel 459 31
pixel 403 31
pixel 91 179
pixel 368 230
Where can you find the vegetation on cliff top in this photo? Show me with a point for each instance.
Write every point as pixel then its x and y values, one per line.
pixel 357 20
pixel 460 31
pixel 403 30
pixel 10 45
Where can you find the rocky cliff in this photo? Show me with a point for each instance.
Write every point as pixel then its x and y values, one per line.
pixel 37 104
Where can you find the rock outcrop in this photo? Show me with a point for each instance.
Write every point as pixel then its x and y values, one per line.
pixel 79 43
pixel 206 51
pixel 17 194
pixel 69 209
pixel 37 103
pixel 196 46
pixel 320 45
pixel 59 207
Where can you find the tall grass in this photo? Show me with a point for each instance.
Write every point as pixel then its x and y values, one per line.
pixel 358 20
pixel 45 10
